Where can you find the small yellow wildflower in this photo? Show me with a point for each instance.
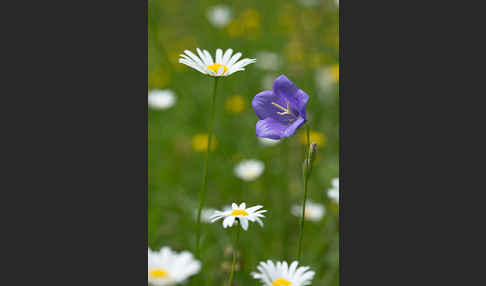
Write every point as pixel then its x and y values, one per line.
pixel 200 142
pixel 250 18
pixel 315 136
pixel 235 104
pixel 235 28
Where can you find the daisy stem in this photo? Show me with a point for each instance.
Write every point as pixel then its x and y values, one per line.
pixel 235 249
pixel 202 193
pixel 305 177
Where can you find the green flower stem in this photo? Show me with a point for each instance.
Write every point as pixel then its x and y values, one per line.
pixel 285 200
pixel 305 177
pixel 235 250
pixel 202 193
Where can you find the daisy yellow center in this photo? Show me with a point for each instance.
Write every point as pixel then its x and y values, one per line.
pixel 158 273
pixel 238 212
pixel 281 282
pixel 215 67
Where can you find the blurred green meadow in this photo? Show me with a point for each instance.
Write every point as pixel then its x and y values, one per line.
pixel 301 38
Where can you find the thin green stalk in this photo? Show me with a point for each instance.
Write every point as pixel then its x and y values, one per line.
pixel 202 193
pixel 235 250
pixel 305 177
pixel 285 199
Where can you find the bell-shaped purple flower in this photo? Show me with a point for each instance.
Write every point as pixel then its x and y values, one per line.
pixel 281 111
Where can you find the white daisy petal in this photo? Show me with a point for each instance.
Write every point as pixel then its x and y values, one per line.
pixel 244 222
pixel 227 56
pixel 293 267
pixel 191 64
pixel 254 208
pixel 228 221
pixel 194 57
pixel 219 56
pixel 239 65
pixel 234 58
pixel 203 58
pixel 208 57
pixel 259 221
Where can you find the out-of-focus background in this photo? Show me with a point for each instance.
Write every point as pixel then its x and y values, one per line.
pixel 295 38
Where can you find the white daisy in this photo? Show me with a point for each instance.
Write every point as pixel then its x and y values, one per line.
pixel 161 98
pixel 249 170
pixel 268 60
pixel 313 211
pixel 281 274
pixel 241 214
pixel 268 141
pixel 167 267
pixel 333 193
pixel 219 15
pixel 225 64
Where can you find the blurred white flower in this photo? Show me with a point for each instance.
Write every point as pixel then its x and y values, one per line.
pixel 161 98
pixel 241 214
pixel 313 211
pixel 249 170
pixel 268 60
pixel 219 15
pixel 267 81
pixel 268 141
pixel 224 64
pixel 167 267
pixel 281 274
pixel 326 78
pixel 206 214
pixel 333 193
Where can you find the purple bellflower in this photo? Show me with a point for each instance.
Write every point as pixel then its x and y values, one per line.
pixel 281 111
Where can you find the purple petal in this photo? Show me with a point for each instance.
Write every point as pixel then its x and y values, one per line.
pixel 270 128
pixel 302 99
pixel 294 126
pixel 262 104
pixel 283 87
